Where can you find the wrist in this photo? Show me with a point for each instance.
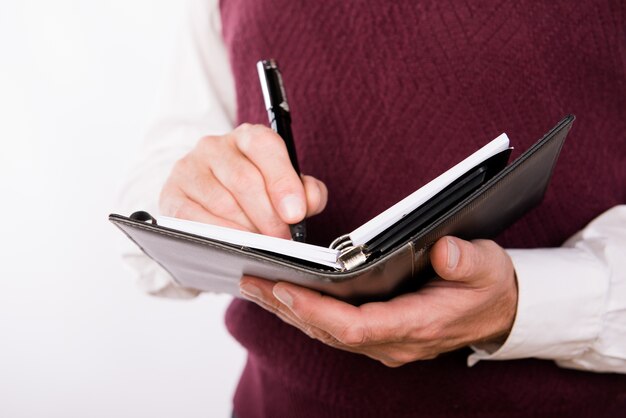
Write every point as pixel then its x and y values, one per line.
pixel 503 316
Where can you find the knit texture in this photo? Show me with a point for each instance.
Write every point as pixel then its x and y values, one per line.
pixel 385 96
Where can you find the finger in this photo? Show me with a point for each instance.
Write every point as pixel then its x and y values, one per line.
pixel 259 291
pixel 268 152
pixel 253 293
pixel 178 205
pixel 470 262
pixel 197 181
pixel 339 319
pixel 316 195
pixel 370 324
pixel 246 184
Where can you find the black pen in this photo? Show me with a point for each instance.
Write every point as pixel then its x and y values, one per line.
pixel 280 121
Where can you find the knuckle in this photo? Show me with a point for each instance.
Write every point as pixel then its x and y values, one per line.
pixel 222 204
pixel 485 249
pixel 428 356
pixel 245 181
pixel 164 203
pixel 283 185
pixel 490 258
pixel 178 209
pixel 256 129
pixel 183 165
pixel 431 333
pixel 306 317
pixel 402 357
pixel 427 330
pixel 275 309
pixel 207 143
pixel 268 141
pixel 274 226
pixel 170 201
pixel 312 332
pixel 353 335
pixel 391 363
pixel 425 352
pixel 241 137
pixel 243 132
pixel 270 138
pixel 321 336
pixel 225 204
pixel 248 136
pixel 253 128
pixel 487 244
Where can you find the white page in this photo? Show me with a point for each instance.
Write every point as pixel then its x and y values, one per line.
pixel 384 220
pixel 308 252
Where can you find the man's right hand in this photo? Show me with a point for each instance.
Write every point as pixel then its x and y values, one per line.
pixel 242 180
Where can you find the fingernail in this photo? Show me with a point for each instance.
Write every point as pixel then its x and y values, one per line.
pixel 283 296
pixel 292 208
pixel 453 254
pixel 250 291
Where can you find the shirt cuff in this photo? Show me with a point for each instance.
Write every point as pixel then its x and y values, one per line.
pixel 561 301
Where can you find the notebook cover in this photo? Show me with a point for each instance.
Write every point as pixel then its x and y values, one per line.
pixel 208 265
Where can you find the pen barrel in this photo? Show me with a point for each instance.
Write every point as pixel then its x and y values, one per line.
pixel 298 231
pixel 275 99
pixel 280 122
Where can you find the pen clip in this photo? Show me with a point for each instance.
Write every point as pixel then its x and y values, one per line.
pixel 274 94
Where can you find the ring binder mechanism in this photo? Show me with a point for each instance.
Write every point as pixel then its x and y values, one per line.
pixel 341 243
pixel 351 257
pixel 477 198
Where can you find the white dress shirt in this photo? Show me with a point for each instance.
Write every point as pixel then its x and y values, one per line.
pixel 572 299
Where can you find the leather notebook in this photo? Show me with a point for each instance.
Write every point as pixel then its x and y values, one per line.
pixel 480 203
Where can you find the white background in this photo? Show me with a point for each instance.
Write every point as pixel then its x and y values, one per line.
pixel 78 80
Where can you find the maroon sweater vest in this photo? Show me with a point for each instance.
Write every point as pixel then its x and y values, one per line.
pixel 386 95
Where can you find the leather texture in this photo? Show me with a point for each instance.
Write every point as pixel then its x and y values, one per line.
pixel 208 265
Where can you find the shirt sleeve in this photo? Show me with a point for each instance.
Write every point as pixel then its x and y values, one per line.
pixel 572 301
pixel 198 99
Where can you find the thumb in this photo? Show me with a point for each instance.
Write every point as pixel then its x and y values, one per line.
pixel 474 262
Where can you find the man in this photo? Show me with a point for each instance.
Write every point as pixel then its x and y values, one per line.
pixel 385 96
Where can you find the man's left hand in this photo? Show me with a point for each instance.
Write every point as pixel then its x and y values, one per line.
pixel 473 301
